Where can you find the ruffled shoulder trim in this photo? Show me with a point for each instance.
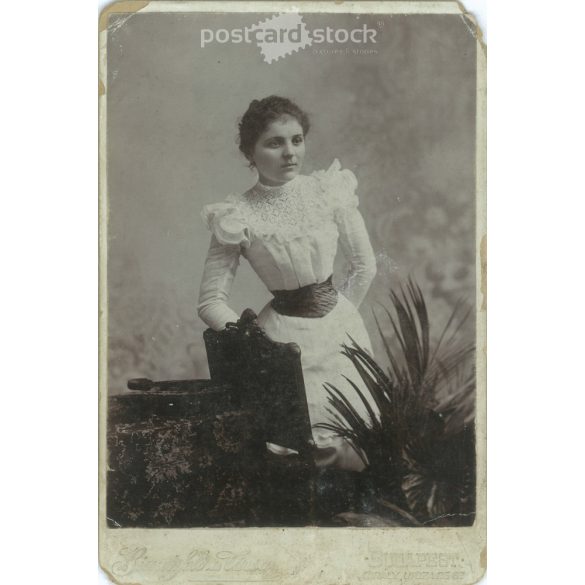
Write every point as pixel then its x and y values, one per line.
pixel 339 186
pixel 226 222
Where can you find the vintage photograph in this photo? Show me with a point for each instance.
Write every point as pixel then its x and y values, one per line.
pixel 291 268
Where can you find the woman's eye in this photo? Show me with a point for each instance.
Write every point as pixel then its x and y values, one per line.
pixel 298 140
pixel 274 144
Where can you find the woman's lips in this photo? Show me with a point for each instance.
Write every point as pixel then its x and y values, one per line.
pixel 290 166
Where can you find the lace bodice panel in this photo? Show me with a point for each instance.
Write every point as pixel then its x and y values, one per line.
pixel 289 234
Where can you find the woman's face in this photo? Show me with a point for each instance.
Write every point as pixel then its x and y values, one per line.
pixel 279 151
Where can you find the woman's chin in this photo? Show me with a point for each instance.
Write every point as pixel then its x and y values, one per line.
pixel 289 174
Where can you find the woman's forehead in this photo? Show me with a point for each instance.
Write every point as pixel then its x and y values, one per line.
pixel 284 126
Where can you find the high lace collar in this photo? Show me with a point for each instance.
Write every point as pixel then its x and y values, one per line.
pixel 300 207
pixel 276 190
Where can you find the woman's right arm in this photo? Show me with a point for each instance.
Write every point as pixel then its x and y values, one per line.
pixel 220 268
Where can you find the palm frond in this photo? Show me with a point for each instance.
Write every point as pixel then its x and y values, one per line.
pixel 415 432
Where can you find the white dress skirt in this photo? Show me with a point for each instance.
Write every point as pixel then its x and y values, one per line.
pixel 323 362
pixel 290 236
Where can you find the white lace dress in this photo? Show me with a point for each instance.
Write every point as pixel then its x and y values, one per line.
pixel 289 234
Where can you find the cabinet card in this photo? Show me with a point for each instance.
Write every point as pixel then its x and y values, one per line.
pixel 292 293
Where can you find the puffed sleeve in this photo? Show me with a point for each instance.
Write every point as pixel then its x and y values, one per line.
pixel 354 241
pixel 229 234
pixel 226 223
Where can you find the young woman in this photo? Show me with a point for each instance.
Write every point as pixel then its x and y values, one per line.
pixel 288 226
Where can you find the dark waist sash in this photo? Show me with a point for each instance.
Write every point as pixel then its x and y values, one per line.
pixel 313 300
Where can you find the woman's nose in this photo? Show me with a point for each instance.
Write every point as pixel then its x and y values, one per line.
pixel 288 150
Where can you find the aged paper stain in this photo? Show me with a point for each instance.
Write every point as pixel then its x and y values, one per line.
pixel 473 26
pixel 483 260
pixel 125 6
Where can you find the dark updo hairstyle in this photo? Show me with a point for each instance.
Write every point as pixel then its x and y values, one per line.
pixel 261 113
